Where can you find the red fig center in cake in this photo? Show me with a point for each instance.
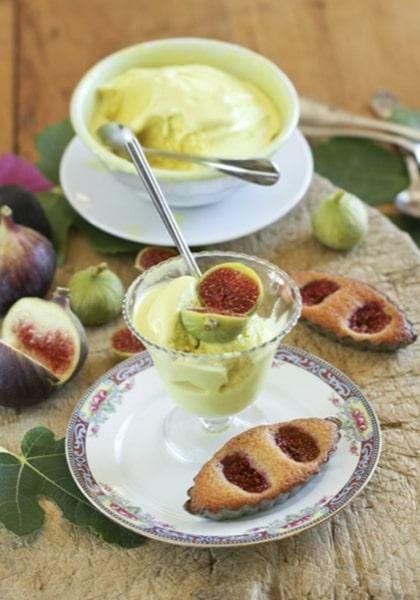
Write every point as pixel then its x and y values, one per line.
pixel 316 291
pixel 369 318
pixel 298 445
pixel 237 469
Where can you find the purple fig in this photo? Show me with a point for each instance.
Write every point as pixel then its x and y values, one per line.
pixel 48 332
pixel 27 261
pixel 23 381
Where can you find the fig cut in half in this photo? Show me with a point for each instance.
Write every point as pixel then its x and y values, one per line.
pixel 23 381
pixel 47 332
pixel 151 256
pixel 125 344
pixel 230 287
pixel 212 327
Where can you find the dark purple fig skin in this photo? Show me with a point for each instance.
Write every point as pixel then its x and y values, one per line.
pixel 61 296
pixel 26 209
pixel 23 382
pixel 27 262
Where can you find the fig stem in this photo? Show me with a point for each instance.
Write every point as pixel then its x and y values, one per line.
pixel 338 195
pixel 98 269
pixel 6 211
pixel 6 217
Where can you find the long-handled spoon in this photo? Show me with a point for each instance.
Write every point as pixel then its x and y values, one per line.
pixel 255 170
pixel 122 138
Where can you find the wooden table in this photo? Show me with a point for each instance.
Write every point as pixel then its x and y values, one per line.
pixel 334 50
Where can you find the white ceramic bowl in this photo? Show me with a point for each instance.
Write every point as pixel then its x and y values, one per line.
pixel 195 187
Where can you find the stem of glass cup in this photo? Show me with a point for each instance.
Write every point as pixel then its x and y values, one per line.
pixel 216 425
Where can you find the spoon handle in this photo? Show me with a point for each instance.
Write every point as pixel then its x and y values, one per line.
pixel 387 138
pixel 135 150
pixel 255 170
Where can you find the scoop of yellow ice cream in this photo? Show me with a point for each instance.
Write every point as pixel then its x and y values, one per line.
pixel 196 109
pixel 208 380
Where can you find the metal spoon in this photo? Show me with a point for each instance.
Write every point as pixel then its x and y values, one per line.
pixel 255 170
pixel 122 138
pixel 408 200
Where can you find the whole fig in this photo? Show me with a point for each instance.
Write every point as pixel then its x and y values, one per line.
pixel 340 221
pixel 27 261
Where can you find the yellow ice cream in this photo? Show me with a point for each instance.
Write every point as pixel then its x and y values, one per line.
pixel 209 386
pixel 196 109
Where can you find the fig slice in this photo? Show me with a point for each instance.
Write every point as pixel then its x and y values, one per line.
pixel 151 256
pixel 124 343
pixel 212 327
pixel 47 332
pixel 230 287
pixel 23 381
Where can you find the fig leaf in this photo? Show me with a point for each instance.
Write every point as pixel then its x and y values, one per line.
pixel 51 143
pixel 41 471
pixel 61 217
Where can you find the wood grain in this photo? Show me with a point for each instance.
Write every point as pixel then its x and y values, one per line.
pixel 8 74
pixel 333 50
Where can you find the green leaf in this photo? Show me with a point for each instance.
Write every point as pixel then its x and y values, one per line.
pixel 51 143
pixel 104 242
pixel 362 167
pixel 406 116
pixel 42 471
pixel 61 217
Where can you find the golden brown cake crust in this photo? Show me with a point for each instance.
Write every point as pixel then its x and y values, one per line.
pixel 333 314
pixel 212 492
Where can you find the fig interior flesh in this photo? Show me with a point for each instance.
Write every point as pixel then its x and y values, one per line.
pixel 45 332
pixel 125 344
pixel 23 381
pixel 153 255
pixel 230 288
pixel 212 327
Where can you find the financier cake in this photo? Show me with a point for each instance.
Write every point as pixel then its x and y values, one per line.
pixel 261 467
pixel 352 312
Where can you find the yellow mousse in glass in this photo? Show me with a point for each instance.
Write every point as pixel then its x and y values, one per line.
pixel 207 379
pixel 192 108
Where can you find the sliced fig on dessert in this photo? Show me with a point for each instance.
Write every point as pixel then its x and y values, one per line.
pixel 23 381
pixel 125 344
pixel 352 312
pixel 230 287
pixel 212 327
pixel 48 332
pixel 262 467
pixel 151 256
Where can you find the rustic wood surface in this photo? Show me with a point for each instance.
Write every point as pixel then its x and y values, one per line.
pixel 336 51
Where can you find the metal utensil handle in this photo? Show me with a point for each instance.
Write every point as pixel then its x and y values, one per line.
pixel 146 175
pixel 388 138
pixel 322 114
pixel 261 171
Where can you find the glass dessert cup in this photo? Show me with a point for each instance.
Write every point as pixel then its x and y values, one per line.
pixel 214 391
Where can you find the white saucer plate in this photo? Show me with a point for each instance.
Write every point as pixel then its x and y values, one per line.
pixel 116 453
pixel 108 204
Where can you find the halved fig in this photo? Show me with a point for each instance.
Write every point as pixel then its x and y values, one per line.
pixel 23 381
pixel 151 256
pixel 124 343
pixel 48 332
pixel 212 327
pixel 230 287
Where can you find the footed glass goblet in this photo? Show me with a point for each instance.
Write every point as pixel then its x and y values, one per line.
pixel 213 389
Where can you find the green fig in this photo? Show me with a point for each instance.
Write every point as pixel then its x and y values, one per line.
pixel 96 295
pixel 230 287
pixel 340 221
pixel 213 328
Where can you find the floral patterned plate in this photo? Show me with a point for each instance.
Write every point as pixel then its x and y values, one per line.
pixel 116 453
